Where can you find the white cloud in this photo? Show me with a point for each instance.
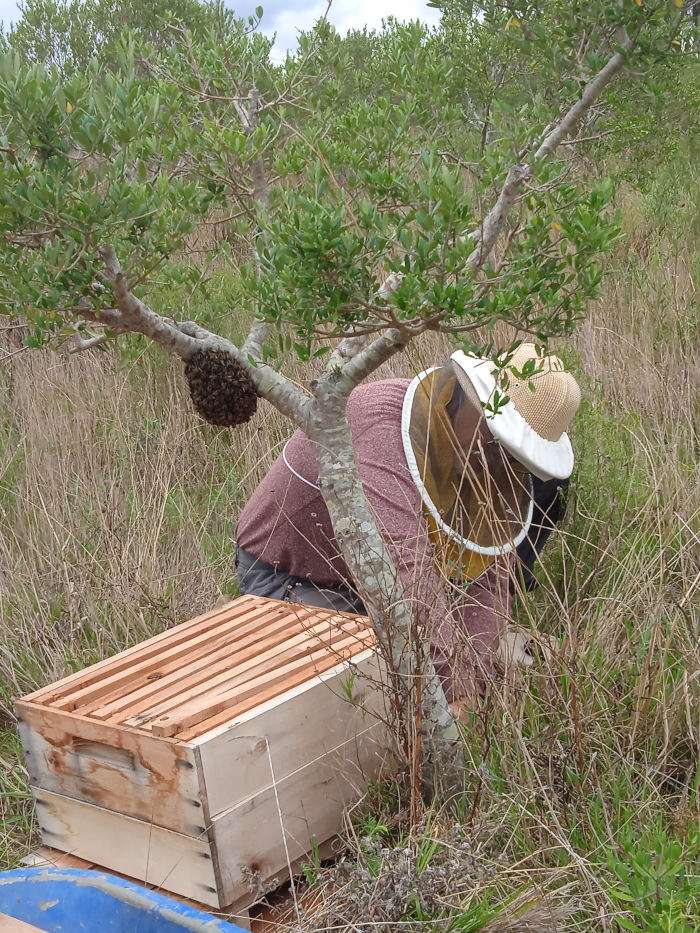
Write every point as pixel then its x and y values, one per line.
pixel 287 22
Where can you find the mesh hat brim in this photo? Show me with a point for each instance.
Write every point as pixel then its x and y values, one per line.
pixel 484 507
pixel 544 459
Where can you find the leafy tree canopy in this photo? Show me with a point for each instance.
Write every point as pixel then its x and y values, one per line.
pixel 381 153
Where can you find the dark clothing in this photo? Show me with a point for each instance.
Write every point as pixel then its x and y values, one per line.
pixel 549 509
pixel 261 579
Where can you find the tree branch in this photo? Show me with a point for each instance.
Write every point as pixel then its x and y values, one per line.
pixel 131 314
pixel 589 95
pixel 353 360
pixel 87 343
pixel 257 335
pixel 261 187
pixel 494 222
pixel 365 361
pixel 259 330
pixel 371 566
pixel 350 346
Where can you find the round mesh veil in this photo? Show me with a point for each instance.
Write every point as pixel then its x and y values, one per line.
pixel 481 494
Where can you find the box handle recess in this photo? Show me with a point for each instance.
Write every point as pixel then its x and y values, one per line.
pixel 106 754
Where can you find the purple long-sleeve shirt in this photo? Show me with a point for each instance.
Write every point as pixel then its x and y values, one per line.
pixel 285 523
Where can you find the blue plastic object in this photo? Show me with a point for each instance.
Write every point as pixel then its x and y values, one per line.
pixel 70 900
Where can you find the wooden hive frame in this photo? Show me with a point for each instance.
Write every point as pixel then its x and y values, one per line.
pixel 176 747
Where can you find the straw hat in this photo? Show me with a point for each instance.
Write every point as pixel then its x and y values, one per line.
pixel 550 405
pixel 532 425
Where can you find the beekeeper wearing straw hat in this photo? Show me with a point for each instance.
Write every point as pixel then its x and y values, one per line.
pixel 464 488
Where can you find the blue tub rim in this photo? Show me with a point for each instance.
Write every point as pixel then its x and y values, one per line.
pixel 128 892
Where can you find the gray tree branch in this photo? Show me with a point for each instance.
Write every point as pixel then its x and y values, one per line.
pixel 366 361
pixel 132 314
pixel 494 221
pixel 371 567
pixel 589 95
pixel 250 118
pixel 349 347
pixel 81 343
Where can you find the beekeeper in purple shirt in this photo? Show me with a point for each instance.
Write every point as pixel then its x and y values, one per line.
pixel 463 498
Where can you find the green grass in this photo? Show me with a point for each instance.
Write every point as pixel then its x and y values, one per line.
pixel 16 809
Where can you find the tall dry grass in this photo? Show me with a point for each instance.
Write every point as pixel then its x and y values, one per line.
pixel 117 515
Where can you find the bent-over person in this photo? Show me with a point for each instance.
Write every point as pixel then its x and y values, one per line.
pixel 464 501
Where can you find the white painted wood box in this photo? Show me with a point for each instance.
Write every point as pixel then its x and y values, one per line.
pixel 207 759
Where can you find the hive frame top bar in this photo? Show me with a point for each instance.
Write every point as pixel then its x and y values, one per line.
pixel 212 731
pixel 213 669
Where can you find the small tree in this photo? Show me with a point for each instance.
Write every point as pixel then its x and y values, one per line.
pixel 375 189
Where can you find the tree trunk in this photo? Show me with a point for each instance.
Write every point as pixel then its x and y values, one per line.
pixel 376 579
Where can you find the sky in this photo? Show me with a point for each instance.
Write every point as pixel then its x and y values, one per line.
pixel 287 17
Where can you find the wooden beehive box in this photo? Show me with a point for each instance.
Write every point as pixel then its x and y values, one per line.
pixel 207 759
